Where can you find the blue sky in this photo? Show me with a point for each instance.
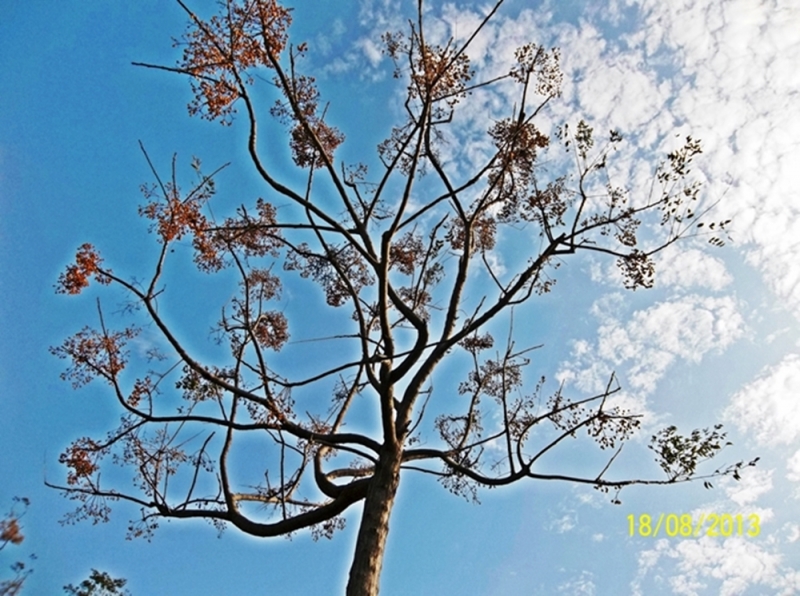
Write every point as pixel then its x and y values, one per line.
pixel 716 339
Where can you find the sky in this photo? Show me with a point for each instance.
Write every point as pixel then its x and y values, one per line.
pixel 716 340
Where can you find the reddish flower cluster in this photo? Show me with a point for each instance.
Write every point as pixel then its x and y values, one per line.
pixel 219 50
pixel 271 330
pixel 10 531
pixel 304 147
pixel 342 272
pixel 253 33
pixel 256 236
pixel 175 217
pixel 437 73
pixel 141 388
pixel 94 354
pixel 78 458
pixel 440 74
pixel 407 253
pixel 418 299
pixel 533 59
pixel 483 237
pixel 308 130
pixel 517 143
pixel 76 277
pixel 263 285
pixel 475 343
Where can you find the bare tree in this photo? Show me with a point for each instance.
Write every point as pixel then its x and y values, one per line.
pixel 408 253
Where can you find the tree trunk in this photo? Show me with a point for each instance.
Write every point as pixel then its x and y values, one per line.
pixel 365 571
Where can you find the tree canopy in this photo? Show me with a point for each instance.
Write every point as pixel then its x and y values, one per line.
pixel 423 257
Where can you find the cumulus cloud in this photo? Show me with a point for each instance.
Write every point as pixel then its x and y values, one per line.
pixel 737 77
pixel 724 72
pixel 371 51
pixel 691 268
pixel 754 484
pixel 769 408
pixel 793 532
pixel 793 467
pixel 731 566
pixel 651 339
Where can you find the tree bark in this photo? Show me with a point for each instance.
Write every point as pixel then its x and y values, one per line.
pixel 365 571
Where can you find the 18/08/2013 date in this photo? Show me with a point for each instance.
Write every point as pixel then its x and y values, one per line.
pixel 685 526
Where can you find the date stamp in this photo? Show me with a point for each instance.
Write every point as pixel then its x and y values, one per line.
pixel 685 526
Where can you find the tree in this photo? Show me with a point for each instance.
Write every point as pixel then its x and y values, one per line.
pixel 408 255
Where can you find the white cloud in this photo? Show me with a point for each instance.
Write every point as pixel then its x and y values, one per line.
pixel 754 484
pixel 776 334
pixel 724 72
pixel 689 267
pixel 793 531
pixel 495 264
pixel 793 467
pixel 652 339
pixel 769 407
pixel 732 565
pixel 371 51
pixel 563 524
pixel 580 586
pixel 738 71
